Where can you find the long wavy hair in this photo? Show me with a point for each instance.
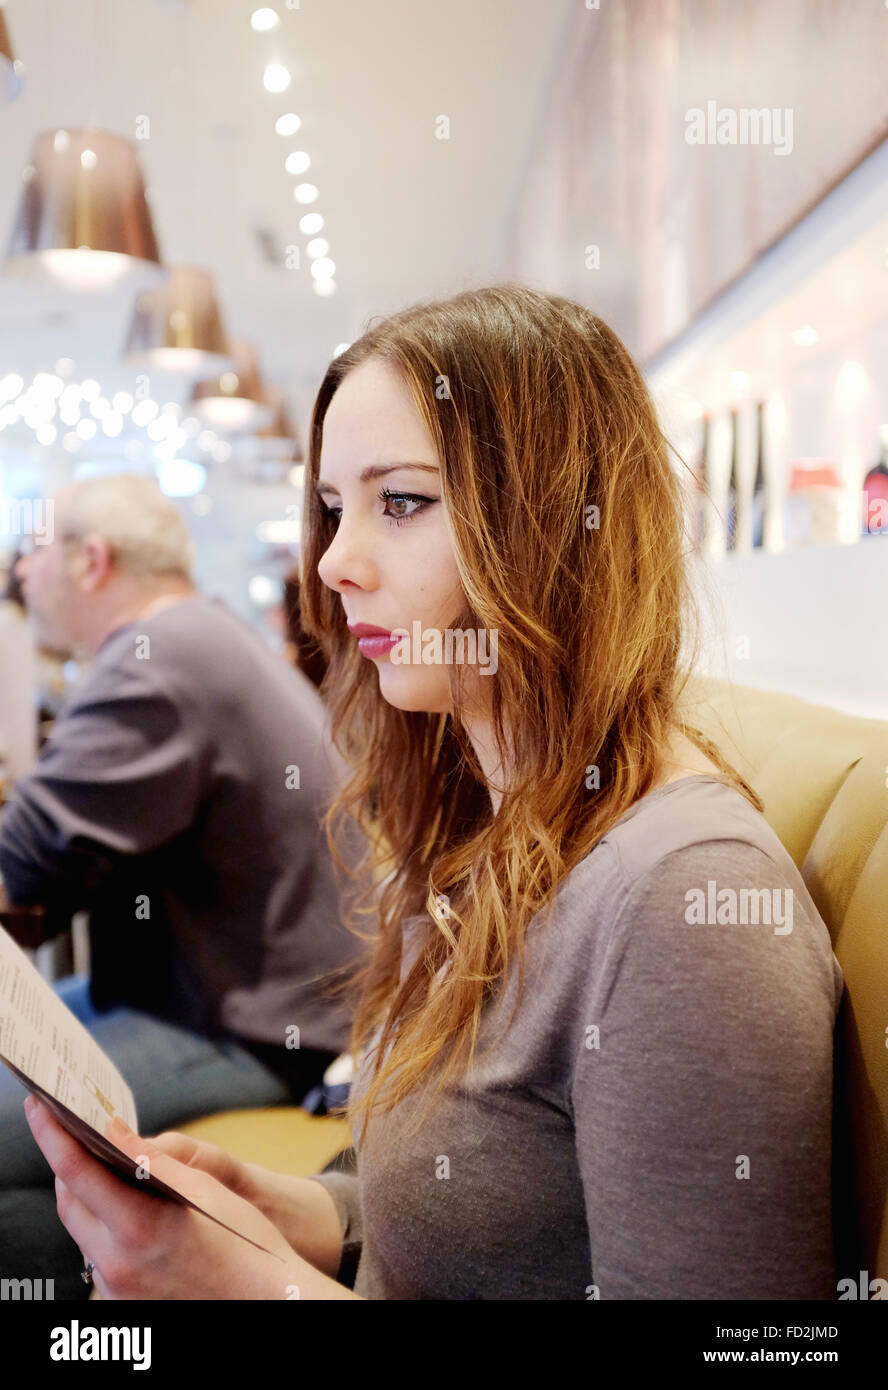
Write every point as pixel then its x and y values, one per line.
pixel 569 529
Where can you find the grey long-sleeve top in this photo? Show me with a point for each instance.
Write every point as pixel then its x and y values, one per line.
pixel 656 1123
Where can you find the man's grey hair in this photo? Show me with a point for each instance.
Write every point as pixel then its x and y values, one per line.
pixel 144 529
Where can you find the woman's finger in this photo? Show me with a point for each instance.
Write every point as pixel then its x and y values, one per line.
pixel 114 1273
pixel 132 1215
pixel 81 1224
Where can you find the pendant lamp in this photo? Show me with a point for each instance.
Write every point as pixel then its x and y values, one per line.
pixel 83 220
pixel 178 327
pixel 10 68
pixel 235 402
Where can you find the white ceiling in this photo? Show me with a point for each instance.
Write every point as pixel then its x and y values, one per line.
pixel 408 216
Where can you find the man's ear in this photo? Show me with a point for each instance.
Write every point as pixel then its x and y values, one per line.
pixel 96 562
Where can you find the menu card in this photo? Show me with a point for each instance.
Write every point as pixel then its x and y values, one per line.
pixel 53 1055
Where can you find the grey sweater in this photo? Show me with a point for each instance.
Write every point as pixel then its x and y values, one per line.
pixel 656 1124
pixel 179 800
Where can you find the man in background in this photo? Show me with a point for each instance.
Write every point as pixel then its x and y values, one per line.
pixel 178 800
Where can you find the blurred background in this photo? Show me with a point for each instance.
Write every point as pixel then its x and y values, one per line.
pixel 203 201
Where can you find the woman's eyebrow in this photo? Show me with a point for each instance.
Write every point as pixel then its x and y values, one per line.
pixel 378 470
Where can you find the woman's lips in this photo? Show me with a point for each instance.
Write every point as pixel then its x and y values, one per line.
pixel 376 646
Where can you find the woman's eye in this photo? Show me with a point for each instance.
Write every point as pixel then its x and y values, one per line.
pixel 397 498
pixel 397 514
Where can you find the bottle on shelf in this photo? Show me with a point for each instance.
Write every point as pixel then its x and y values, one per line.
pixel 875 493
pixel 701 473
pixel 759 487
pixel 733 483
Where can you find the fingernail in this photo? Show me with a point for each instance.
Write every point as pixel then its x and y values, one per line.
pixel 122 1126
pixel 31 1104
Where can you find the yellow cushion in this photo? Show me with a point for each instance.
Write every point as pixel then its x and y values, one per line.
pixel 823 778
pixel 283 1138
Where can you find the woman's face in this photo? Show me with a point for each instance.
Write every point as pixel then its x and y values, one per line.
pixel 391 559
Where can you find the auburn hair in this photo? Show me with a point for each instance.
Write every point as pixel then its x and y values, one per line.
pixel 568 522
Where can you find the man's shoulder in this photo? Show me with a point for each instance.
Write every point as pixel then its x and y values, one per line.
pixel 191 636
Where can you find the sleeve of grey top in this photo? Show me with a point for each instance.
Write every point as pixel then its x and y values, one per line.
pixel 346 1193
pixel 702 1104
pixel 120 774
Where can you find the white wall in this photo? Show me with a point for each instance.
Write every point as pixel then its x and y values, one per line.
pixel 813 623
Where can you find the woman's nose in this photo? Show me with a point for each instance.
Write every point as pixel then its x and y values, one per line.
pixel 345 560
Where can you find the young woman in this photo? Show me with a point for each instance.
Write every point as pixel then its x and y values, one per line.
pixel 596 1023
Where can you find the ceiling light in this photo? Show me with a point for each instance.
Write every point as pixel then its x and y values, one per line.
pixel 279 532
pixel 10 386
pixel 46 384
pixel 144 412
pixel 279 441
pixel 276 78
pixel 297 162
pixel 852 385
pixel 287 124
pixel 83 220
pixel 305 193
pixel 11 69
pixel 264 19
pixel 112 424
pixel 340 347
pixel 806 336
pixel 236 401
pixel 310 223
pixel 181 477
pixel 323 268
pixel 319 247
pixel 178 327
pixel 264 591
pixel 324 287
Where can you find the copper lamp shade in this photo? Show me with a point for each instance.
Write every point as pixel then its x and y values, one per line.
pixel 270 453
pixel 10 69
pixel 235 402
pixel 178 327
pixel 83 219
pixel 279 438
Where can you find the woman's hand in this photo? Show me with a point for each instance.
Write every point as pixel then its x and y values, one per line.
pixel 144 1247
pixel 303 1211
